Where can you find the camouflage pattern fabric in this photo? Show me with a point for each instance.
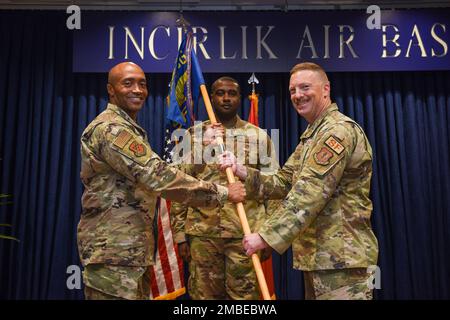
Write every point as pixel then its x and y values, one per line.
pixel 93 294
pixel 210 279
pixel 224 222
pixel 109 282
pixel 122 177
pixel 232 270
pixel 326 211
pixel 347 284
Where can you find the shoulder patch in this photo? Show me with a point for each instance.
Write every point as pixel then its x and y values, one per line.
pixel 323 156
pixel 122 139
pixel 132 147
pixel 138 149
pixel 334 145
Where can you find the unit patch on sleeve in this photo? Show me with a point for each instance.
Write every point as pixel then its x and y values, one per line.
pixel 323 156
pixel 138 149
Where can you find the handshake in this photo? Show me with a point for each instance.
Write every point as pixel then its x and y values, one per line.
pixel 236 191
pixel 226 159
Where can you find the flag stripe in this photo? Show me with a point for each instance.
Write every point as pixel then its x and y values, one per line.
pixel 153 285
pixel 159 279
pixel 168 239
pixel 163 256
pixel 166 274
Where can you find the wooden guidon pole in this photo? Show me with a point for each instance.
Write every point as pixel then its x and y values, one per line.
pixel 240 207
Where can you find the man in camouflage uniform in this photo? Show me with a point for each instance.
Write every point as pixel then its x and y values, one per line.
pixel 326 182
pixel 122 177
pixel 210 239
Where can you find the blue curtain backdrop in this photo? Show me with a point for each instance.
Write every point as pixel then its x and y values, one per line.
pixel 44 108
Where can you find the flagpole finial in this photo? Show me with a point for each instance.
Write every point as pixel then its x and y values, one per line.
pixel 253 80
pixel 182 22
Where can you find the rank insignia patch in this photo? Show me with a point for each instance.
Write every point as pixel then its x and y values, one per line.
pixel 323 156
pixel 334 145
pixel 138 149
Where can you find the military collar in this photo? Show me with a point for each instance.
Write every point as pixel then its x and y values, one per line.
pixel 313 127
pixel 125 115
pixel 238 124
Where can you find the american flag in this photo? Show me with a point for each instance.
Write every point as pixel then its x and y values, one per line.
pixel 167 273
pixel 167 281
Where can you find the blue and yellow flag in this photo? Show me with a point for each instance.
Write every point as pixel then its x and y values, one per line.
pixel 185 85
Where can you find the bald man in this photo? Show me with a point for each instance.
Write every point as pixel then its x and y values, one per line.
pixel 123 177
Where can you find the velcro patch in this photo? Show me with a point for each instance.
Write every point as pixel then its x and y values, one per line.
pixel 323 156
pixel 122 140
pixel 334 145
pixel 138 149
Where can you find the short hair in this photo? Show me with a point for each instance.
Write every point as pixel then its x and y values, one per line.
pixel 309 66
pixel 229 79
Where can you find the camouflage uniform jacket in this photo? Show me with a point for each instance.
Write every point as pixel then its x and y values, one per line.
pixel 122 177
pixel 224 222
pixel 326 213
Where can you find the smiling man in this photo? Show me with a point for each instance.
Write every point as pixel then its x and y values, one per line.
pixel 325 184
pixel 122 178
pixel 127 88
